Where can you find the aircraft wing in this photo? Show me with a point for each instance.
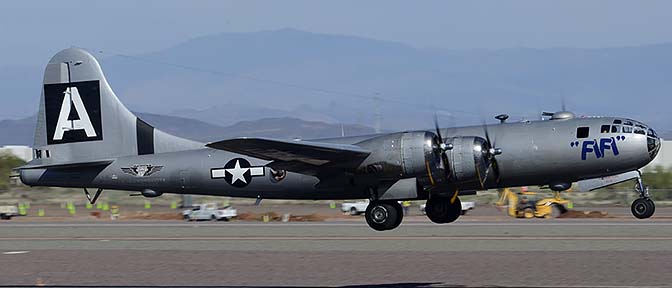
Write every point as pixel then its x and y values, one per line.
pixel 297 156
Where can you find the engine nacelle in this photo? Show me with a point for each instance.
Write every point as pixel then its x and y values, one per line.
pixel 468 159
pixel 405 155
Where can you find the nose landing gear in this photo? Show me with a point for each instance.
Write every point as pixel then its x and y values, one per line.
pixel 643 207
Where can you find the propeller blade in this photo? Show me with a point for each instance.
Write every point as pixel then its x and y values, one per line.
pixel 442 147
pixel 438 130
pixel 492 151
pixel 495 169
pixel 487 137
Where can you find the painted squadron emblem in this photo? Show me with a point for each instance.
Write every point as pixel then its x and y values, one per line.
pixel 142 170
pixel 237 172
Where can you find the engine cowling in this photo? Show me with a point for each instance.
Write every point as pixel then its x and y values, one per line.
pixel 405 155
pixel 468 159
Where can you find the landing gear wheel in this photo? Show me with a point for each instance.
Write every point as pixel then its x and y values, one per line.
pixel 643 208
pixel 440 210
pixel 652 206
pixel 400 211
pixel 383 215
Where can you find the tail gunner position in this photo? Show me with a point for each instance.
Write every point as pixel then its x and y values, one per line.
pixel 86 138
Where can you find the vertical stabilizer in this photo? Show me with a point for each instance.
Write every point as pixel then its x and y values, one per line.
pixel 81 119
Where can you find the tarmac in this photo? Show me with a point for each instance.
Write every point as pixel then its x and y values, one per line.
pixel 618 252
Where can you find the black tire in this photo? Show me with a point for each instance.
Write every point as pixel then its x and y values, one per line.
pixel 400 214
pixel 652 206
pixel 353 211
pixel 213 218
pixel 440 210
pixel 186 218
pixel 382 216
pixel 5 217
pixel 642 208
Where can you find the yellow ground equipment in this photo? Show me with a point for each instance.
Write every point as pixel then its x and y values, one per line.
pixel 525 205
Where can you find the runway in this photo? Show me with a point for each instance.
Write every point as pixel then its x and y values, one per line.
pixel 571 252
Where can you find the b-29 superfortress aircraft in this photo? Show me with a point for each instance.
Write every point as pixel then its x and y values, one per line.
pixel 86 138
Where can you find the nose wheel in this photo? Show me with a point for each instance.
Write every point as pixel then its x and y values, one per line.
pixel 643 207
pixel 384 215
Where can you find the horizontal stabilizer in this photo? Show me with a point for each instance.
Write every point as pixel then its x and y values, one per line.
pixel 296 156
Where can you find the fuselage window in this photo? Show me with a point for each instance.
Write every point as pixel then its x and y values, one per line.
pixel 615 128
pixel 605 129
pixel 627 129
pixel 617 121
pixel 582 132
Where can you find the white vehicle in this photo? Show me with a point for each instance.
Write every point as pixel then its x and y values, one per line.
pixel 209 211
pixel 466 206
pixel 8 211
pixel 355 208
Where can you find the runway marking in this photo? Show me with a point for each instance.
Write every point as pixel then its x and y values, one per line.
pixel 15 252
pixel 340 238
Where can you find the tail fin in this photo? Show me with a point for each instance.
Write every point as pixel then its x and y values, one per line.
pixel 81 119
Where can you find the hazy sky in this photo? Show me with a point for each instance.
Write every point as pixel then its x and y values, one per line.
pixel 31 31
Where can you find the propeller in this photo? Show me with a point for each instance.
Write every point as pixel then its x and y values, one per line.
pixel 491 150
pixel 442 147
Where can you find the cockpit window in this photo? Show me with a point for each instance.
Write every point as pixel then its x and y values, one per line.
pixel 582 132
pixel 615 128
pixel 652 133
pixel 627 129
pixel 617 121
pixel 605 129
pixel 627 122
pixel 640 131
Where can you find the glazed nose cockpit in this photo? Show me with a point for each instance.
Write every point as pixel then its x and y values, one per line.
pixel 652 142
pixel 630 126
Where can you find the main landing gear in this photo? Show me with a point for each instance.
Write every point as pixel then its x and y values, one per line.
pixel 384 215
pixel 643 207
pixel 443 209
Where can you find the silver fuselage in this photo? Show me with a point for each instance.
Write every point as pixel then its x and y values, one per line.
pixel 534 153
